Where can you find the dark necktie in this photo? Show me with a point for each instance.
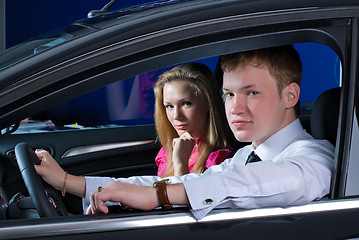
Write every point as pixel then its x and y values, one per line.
pixel 253 157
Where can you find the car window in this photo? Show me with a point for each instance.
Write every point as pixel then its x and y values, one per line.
pixel 321 71
pixel 352 188
pixel 39 44
pixel 130 101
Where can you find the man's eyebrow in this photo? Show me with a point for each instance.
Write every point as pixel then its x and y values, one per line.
pixel 225 89
pixel 243 87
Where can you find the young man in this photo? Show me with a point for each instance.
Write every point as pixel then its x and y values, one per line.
pixel 262 89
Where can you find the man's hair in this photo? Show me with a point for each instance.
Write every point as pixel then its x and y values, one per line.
pixel 218 134
pixel 283 63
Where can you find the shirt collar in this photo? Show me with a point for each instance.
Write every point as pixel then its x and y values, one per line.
pixel 275 144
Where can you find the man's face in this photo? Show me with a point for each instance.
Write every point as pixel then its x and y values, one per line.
pixel 254 108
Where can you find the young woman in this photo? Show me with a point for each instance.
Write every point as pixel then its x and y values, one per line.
pixel 190 121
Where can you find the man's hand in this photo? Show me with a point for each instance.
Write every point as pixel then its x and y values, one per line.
pixel 134 196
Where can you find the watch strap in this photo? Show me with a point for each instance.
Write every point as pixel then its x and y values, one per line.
pixel 161 190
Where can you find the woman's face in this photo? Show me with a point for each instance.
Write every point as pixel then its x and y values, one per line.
pixel 185 111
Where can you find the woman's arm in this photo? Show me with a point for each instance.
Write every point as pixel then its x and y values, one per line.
pixel 54 175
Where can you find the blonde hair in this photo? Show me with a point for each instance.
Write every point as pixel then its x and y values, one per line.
pixel 201 79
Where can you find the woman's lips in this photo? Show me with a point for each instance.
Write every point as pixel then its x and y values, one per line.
pixel 181 126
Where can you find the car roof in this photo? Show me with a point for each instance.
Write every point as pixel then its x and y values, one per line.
pixel 166 14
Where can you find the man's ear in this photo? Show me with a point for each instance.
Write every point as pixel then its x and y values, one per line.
pixel 292 93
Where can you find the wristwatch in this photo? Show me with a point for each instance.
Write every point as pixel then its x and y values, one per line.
pixel 161 191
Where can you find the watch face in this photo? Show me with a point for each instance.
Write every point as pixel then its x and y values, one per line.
pixel 165 181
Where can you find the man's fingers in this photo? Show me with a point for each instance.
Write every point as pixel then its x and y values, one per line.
pixel 97 203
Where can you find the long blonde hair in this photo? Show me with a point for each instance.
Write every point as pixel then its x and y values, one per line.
pixel 218 136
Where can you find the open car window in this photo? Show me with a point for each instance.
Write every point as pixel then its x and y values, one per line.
pixel 130 101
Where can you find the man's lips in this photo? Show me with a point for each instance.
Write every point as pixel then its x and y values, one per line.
pixel 240 123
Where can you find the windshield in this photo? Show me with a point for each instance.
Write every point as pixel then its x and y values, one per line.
pixel 39 44
pixel 34 46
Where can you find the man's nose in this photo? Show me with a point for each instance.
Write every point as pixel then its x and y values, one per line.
pixel 239 105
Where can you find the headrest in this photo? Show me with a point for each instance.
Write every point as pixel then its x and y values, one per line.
pixel 325 114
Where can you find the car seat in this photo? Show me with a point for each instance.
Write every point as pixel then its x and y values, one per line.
pixel 325 115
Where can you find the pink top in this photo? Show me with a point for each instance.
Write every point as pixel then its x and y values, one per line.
pixel 214 158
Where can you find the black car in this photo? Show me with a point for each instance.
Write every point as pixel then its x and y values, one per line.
pixel 84 93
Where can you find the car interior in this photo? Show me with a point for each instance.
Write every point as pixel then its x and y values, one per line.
pixel 110 131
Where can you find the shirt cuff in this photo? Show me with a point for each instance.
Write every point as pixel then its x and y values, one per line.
pixel 204 199
pixel 92 184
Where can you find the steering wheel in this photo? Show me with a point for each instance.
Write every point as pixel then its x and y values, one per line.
pixel 45 198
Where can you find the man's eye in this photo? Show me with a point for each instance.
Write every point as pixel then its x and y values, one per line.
pixel 228 95
pixel 252 93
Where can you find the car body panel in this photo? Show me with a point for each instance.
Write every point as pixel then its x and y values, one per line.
pixel 279 223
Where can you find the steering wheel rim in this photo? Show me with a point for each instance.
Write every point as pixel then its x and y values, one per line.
pixel 45 198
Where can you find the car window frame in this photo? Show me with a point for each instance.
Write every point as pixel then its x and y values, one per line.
pixel 67 81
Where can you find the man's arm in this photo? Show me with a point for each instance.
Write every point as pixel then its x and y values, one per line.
pixel 134 196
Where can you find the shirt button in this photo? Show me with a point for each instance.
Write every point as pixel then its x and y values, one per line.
pixel 208 201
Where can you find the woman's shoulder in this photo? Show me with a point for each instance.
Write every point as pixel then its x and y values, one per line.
pixel 161 161
pixel 161 156
pixel 218 157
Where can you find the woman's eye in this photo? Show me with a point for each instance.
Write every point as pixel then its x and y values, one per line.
pixel 168 106
pixel 187 103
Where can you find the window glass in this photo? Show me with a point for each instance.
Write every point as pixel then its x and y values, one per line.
pixel 130 102
pixel 127 102
pixel 321 71
pixel 43 42
pixel 352 187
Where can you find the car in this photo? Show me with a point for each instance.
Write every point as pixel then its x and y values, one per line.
pixel 84 93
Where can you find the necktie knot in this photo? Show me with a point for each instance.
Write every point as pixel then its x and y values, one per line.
pixel 253 157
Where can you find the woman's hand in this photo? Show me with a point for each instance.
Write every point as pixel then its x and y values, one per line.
pixel 182 150
pixel 54 175
pixel 50 170
pixel 134 196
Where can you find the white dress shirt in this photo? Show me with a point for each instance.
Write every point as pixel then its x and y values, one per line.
pixel 295 169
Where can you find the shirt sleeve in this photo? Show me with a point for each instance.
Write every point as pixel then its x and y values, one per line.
pixel 303 175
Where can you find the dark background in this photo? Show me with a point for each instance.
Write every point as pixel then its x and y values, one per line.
pixel 25 19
